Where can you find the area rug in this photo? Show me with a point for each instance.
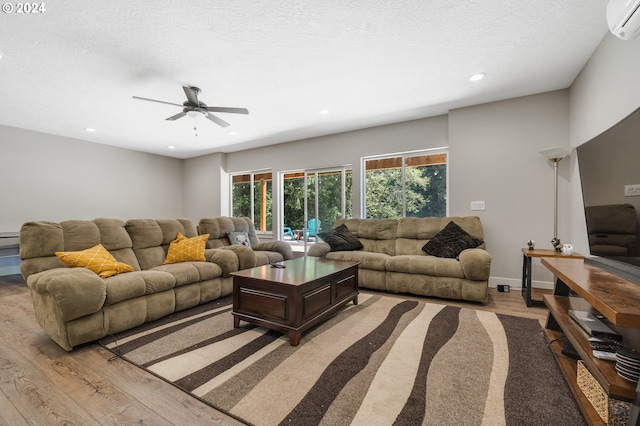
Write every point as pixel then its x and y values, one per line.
pixel 384 361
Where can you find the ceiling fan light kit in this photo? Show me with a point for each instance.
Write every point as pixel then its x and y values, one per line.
pixel 195 108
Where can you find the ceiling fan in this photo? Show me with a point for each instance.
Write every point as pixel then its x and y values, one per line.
pixel 195 108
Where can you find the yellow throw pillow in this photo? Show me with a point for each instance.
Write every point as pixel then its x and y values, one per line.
pixel 184 249
pixel 97 259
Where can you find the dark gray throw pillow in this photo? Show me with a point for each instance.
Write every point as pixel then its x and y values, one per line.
pixel 341 239
pixel 450 241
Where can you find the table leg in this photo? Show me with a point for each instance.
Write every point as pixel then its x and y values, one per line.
pixel 529 303
pixel 294 337
pixel 236 321
pixel 524 275
pixel 526 279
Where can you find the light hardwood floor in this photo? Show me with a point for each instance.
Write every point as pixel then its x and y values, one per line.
pixel 40 384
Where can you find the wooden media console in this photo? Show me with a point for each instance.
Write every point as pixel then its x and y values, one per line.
pixel 603 293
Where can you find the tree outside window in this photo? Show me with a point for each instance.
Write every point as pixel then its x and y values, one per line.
pixel 251 196
pixel 411 185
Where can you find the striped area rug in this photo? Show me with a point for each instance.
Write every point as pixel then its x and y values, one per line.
pixel 385 361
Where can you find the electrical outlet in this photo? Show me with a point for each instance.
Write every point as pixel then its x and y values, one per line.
pixel 632 190
pixel 477 205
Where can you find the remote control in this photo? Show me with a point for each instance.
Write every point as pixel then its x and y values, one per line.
pixel 607 356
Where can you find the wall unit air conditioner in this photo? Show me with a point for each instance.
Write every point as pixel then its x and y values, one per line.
pixel 623 18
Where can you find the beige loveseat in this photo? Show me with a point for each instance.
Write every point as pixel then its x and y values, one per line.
pixel 392 257
pixel 260 253
pixel 75 305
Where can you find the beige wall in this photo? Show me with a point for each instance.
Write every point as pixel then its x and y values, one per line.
pixel 605 92
pixel 495 157
pixel 46 177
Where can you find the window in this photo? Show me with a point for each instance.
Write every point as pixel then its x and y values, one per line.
pixel 328 195
pixel 406 185
pixel 251 196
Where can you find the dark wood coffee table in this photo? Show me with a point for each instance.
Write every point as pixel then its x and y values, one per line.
pixel 292 299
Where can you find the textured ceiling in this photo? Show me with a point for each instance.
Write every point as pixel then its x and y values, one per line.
pixel 79 63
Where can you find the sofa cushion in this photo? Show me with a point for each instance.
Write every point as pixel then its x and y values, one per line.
pixel 115 238
pixel 191 272
pixel 368 260
pixel 267 257
pixel 171 228
pixel 341 239
pixel 137 284
pixel 450 242
pixel 184 249
pixel 40 239
pixel 80 234
pixel 425 265
pixel 113 234
pixel 97 259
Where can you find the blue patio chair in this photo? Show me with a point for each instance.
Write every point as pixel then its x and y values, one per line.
pixel 287 231
pixel 313 227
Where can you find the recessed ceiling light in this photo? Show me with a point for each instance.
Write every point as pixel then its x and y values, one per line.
pixel 171 147
pixel 232 133
pixel 324 111
pixel 478 76
pixel 89 129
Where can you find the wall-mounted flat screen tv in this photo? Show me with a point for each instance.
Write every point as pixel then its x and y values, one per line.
pixel 610 173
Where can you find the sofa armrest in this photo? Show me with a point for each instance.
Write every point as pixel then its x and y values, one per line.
pixel 276 246
pixel 476 264
pixel 319 249
pixel 246 256
pixel 76 292
pixel 226 259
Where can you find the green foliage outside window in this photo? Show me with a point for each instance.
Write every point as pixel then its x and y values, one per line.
pixel 424 191
pixel 329 199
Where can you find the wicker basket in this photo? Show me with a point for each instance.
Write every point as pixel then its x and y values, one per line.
pixel 611 410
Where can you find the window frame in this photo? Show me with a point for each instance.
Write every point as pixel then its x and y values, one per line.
pixel 252 202
pixel 403 156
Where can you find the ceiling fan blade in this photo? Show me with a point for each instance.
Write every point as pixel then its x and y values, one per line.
pixel 175 117
pixel 218 121
pixel 154 100
pixel 229 110
pixel 192 95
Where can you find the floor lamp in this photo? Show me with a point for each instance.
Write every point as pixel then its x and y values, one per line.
pixel 555 155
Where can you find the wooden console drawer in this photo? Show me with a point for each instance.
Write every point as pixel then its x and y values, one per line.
pixel 346 285
pixel 316 301
pixel 266 304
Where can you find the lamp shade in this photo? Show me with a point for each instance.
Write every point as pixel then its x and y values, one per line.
pixel 558 153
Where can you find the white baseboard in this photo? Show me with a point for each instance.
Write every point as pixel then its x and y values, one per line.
pixel 517 283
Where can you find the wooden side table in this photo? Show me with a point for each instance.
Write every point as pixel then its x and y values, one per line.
pixel 527 255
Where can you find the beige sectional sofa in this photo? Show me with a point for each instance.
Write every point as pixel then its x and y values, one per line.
pixel 74 305
pixel 392 257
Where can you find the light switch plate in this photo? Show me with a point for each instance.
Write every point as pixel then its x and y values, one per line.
pixel 477 205
pixel 631 190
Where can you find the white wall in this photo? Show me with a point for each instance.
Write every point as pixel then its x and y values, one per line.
pixel 605 92
pixel 206 187
pixel 46 177
pixel 495 157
